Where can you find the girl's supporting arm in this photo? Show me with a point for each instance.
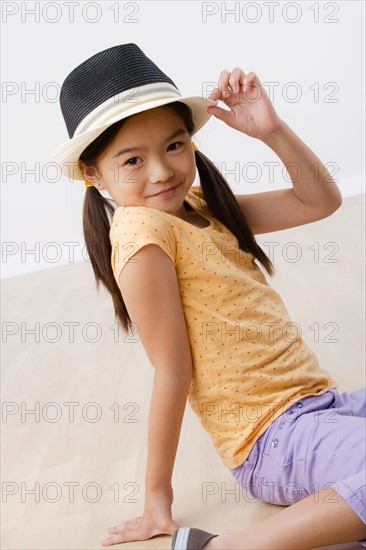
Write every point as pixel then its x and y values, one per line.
pixel 150 289
pixel 167 407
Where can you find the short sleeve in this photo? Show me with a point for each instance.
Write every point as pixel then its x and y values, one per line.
pixel 134 227
pixel 197 190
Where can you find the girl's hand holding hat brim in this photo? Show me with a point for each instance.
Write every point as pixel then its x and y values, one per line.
pixel 251 111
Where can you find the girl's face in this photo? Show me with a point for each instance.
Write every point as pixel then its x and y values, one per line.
pixel 160 156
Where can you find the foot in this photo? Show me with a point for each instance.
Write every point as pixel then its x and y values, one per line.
pixel 190 538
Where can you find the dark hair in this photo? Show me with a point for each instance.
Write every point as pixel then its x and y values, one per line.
pixel 220 200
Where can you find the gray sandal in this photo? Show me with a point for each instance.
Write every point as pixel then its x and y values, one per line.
pixel 190 538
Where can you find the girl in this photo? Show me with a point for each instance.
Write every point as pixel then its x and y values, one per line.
pixel 212 327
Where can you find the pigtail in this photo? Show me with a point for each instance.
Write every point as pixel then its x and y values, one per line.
pixel 97 216
pixel 223 205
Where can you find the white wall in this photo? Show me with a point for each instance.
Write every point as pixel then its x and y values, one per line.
pixel 322 48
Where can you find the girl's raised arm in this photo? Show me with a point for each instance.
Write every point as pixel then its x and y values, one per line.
pixel 150 289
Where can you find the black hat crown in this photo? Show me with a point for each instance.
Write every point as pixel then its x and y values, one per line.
pixel 103 76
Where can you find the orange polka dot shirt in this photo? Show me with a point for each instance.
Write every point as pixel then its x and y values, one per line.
pixel 250 364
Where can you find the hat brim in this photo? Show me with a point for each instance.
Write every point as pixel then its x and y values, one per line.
pixel 67 154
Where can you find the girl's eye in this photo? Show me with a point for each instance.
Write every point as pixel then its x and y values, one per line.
pixel 180 143
pixel 128 162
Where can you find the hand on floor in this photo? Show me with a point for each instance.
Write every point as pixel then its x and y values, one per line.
pixel 156 520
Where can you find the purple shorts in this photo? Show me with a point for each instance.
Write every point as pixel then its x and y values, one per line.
pixel 318 443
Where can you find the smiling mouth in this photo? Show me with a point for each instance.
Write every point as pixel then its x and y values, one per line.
pixel 165 190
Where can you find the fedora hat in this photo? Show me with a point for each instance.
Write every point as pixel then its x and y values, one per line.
pixel 109 86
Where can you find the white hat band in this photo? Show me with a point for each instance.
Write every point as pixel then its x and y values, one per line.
pixel 124 101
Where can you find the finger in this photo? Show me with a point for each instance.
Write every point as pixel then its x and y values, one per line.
pixel 117 539
pixel 214 94
pixel 118 529
pixel 251 79
pixel 222 85
pixel 123 524
pixel 236 78
pixel 128 533
pixel 228 83
pixel 221 114
pixel 111 540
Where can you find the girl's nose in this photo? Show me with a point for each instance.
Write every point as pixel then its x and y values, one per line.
pixel 160 171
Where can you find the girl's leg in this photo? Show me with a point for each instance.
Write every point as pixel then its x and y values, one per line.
pixel 313 455
pixel 353 403
pixel 312 522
